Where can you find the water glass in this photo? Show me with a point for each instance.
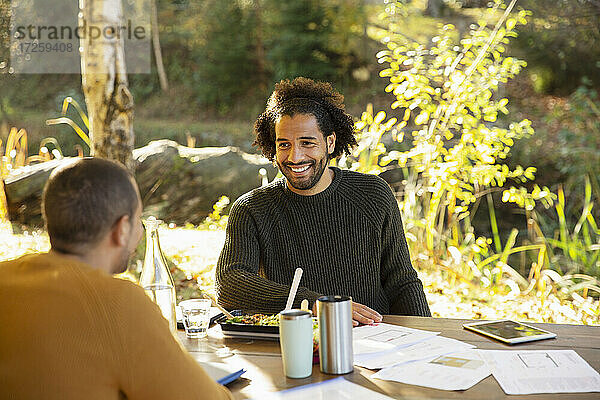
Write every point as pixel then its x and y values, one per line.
pixel 196 317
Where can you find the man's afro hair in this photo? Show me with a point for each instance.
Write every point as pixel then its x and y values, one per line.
pixel 305 96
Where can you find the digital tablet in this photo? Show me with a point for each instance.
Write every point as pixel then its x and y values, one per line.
pixel 508 331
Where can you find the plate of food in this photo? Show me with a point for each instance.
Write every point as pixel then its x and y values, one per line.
pixel 260 326
pixel 257 326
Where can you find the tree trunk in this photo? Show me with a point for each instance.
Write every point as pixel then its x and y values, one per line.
pixel 260 47
pixel 104 80
pixel 160 67
pixel 434 8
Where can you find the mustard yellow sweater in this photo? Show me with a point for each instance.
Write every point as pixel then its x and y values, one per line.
pixel 68 331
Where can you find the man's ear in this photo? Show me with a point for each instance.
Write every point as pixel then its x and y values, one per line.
pixel 331 143
pixel 121 231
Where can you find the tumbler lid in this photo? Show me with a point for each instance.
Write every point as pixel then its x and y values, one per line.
pixel 295 314
pixel 334 298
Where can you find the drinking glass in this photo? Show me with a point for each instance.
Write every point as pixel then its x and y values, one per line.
pixel 196 317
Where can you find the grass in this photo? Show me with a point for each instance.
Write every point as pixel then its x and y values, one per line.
pixel 184 130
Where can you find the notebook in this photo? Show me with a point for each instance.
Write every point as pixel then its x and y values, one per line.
pixel 222 373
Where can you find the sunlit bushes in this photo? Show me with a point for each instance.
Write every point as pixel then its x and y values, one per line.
pixel 448 113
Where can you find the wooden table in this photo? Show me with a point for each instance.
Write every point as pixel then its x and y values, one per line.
pixel 262 360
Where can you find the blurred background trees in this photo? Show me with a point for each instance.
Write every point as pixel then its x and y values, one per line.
pixel 220 55
pixel 561 44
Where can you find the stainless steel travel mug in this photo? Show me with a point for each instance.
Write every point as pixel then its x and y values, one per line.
pixel 335 334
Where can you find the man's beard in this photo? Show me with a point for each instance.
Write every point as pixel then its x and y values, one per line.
pixel 305 184
pixel 122 265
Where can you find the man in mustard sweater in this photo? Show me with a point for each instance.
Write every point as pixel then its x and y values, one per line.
pixel 68 329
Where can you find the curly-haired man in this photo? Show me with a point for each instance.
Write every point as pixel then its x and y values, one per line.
pixel 342 227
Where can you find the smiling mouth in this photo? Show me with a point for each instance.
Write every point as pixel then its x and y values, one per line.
pixel 300 169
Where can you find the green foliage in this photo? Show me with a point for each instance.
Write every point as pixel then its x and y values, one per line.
pixel 215 220
pixel 63 119
pixel 223 51
pixel 458 146
pixel 299 45
pixel 527 200
pixel 578 147
pixel 444 92
pixel 574 248
pixel 561 43
pixel 225 56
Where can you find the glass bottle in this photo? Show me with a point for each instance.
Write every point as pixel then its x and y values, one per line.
pixel 156 278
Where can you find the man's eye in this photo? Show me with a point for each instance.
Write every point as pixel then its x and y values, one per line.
pixel 308 144
pixel 283 145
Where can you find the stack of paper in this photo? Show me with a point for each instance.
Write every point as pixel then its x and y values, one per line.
pixel 425 350
pixel 379 337
pixel 435 361
pixel 449 364
pixel 541 371
pixel 457 371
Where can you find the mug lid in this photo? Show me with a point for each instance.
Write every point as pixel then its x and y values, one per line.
pixel 295 314
pixel 334 298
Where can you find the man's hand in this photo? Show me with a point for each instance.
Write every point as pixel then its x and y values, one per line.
pixel 361 314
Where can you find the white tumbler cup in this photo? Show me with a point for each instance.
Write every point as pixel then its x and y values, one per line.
pixel 296 339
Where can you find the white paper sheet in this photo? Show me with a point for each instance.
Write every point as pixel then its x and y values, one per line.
pixel 377 337
pixel 366 346
pixel 425 350
pixel 338 388
pixel 541 371
pixel 456 371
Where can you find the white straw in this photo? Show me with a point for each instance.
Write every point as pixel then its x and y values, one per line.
pixel 294 288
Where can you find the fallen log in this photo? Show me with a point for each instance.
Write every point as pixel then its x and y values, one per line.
pixel 181 184
pixel 177 183
pixel 23 188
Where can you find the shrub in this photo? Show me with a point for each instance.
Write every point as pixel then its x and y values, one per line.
pixel 448 116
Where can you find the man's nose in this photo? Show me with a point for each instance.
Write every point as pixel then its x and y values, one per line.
pixel 296 154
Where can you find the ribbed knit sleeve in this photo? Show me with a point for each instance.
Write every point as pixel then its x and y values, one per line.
pixel 239 285
pixel 400 282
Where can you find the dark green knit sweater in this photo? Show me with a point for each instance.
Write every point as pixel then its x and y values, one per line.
pixel 348 239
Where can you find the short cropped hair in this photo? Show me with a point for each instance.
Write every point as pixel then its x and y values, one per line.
pixel 84 199
pixel 305 96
